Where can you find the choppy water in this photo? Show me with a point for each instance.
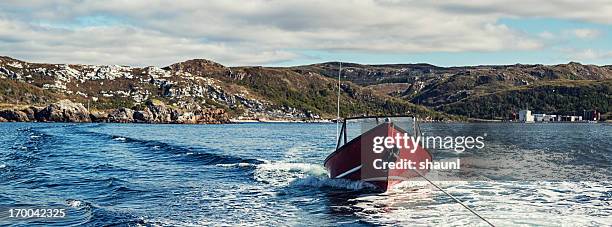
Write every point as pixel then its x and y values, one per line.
pixel 272 174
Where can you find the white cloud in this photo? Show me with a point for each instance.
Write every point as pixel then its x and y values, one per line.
pixel 586 33
pixel 595 11
pixel 265 31
pixel 121 45
pixel 547 35
pixel 587 54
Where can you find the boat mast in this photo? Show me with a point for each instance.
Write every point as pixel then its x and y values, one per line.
pixel 338 104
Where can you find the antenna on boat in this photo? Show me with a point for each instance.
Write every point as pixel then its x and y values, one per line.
pixel 338 104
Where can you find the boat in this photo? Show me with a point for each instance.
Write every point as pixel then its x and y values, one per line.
pixel 354 159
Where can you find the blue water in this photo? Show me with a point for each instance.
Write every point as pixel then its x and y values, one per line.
pixel 272 174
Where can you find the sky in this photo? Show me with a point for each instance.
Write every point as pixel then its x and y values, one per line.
pixel 288 32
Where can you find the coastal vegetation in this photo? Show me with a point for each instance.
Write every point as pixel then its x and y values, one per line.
pixel 199 86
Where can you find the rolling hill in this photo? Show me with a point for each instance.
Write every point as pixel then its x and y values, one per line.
pixel 244 92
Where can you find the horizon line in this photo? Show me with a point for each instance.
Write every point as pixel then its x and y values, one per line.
pixel 317 63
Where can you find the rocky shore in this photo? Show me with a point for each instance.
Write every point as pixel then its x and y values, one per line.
pixel 150 112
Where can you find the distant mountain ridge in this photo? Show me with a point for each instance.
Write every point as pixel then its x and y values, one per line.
pixel 489 92
pixel 309 91
pixel 244 92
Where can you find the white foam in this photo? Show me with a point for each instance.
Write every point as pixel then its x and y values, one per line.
pixel 74 203
pixel 323 182
pixel 307 168
pixel 120 139
pixel 298 152
pixel 2 166
pixel 283 173
pixel 233 165
pixel 168 222
pixel 502 203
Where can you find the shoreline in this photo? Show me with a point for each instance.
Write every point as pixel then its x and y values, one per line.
pixel 238 121
pixel 304 122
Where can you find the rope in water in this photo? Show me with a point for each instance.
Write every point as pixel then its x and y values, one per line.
pixel 456 200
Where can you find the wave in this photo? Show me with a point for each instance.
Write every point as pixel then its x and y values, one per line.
pixel 290 167
pixel 241 165
pixel 78 204
pixel 119 138
pixel 273 173
pixel 74 203
pixel 94 215
pixel 169 222
pixel 304 175
pixel 581 203
pixel 190 154
pixel 324 182
pixel 27 149
pixel 282 173
pixel 24 129
pixel 107 167
pixel 31 140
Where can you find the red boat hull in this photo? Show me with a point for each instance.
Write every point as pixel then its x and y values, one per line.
pixel 354 160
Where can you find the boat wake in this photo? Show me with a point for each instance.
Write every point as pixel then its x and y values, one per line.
pixel 580 203
pixel 204 155
pixel 328 183
pixel 300 175
pixel 118 175
pixel 282 173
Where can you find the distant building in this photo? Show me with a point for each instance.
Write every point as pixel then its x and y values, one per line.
pixel 525 116
pixel 570 118
pixel 545 117
pixel 591 115
pixel 538 117
pixel 550 117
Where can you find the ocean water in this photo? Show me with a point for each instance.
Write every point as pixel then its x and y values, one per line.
pixel 272 174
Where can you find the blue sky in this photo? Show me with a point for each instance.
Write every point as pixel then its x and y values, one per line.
pixel 284 33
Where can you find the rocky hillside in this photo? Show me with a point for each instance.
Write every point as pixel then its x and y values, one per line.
pixel 203 88
pixel 488 92
pixel 198 87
